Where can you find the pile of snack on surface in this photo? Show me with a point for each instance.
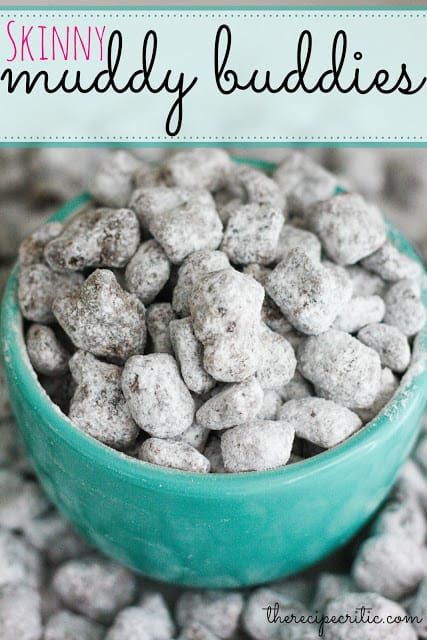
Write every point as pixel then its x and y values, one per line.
pixel 214 318
pixel 53 587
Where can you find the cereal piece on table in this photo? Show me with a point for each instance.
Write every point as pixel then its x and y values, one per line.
pixel 309 295
pixel 341 367
pixel 277 360
pixel 218 611
pixel 388 386
pixel 252 234
pixel 292 238
pixel 402 515
pixel 173 454
pixel 20 616
pixel 65 625
pixel 150 201
pixel 149 620
pixel 360 311
pixel 148 271
pixel 233 357
pixel 234 404
pixel 95 238
pixel 199 168
pixel 196 436
pixel 19 562
pixel 271 404
pixel 418 609
pixel 22 500
pixel 390 343
pixel 113 183
pixel 159 317
pixel 102 318
pixel 404 308
pixel 349 605
pixel 389 564
pixel 392 265
pixel 297 388
pixel 303 182
pixel 38 287
pixel 98 406
pixel 330 586
pixel 192 226
pixel 196 631
pixel 348 227
pixel 54 538
pixel 254 186
pixel 196 265
pixel 224 302
pixel 31 250
pixel 320 421
pixel 365 283
pixel 214 454
pixel 189 354
pixel 157 397
pixel 47 355
pixel 258 445
pixel 95 587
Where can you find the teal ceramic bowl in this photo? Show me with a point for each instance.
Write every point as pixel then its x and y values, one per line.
pixel 217 530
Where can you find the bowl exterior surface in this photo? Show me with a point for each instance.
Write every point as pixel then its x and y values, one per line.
pixel 212 531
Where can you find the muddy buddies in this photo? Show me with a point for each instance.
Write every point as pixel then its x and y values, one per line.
pixel 204 316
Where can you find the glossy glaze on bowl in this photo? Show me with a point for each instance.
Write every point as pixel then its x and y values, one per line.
pixel 216 530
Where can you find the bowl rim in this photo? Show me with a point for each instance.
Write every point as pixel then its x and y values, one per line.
pixel 413 387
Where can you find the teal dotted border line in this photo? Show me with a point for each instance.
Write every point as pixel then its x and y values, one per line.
pixel 216 138
pixel 422 13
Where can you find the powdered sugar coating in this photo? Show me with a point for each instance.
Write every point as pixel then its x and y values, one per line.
pixel 320 421
pixel 404 308
pixel 232 405
pixel 38 286
pixel 173 454
pixel 257 445
pixel 192 269
pixel 277 360
pixel 189 354
pixel 390 565
pixel 98 406
pixel 94 587
pixel 390 343
pixel 148 271
pixel 95 238
pixel 157 397
pixel 345 370
pixel 47 354
pixel 348 227
pixel 392 265
pixel 190 227
pixel 252 234
pixel 360 311
pixel 309 295
pixel 102 318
